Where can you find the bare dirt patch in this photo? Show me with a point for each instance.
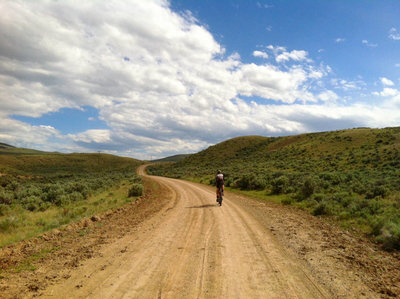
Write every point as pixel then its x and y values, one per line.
pixel 338 257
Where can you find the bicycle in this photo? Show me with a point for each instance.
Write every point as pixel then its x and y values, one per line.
pixel 220 193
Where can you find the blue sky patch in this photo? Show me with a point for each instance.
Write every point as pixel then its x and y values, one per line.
pixel 68 120
pixel 261 101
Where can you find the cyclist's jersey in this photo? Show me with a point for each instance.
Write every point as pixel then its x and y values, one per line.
pixel 219 180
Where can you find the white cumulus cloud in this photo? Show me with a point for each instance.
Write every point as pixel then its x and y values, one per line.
pixel 296 55
pixel 386 81
pixel 328 96
pixel 260 54
pixel 159 80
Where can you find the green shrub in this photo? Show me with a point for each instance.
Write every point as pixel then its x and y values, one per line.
pixel 318 197
pixel 358 187
pixel 44 206
pixel 31 203
pixel 136 190
pixel 228 182
pixel 377 191
pixel 4 209
pixel 5 180
pixel 76 196
pixel 324 207
pixel 53 193
pixel 6 197
pixel 79 187
pixel 250 182
pixel 8 223
pixel 137 180
pixel 344 215
pixel 62 200
pixel 287 201
pixel 375 206
pixel 389 235
pixel 280 185
pixel 339 196
pixel 308 187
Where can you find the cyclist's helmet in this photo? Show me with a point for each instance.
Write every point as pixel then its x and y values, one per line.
pixel 219 171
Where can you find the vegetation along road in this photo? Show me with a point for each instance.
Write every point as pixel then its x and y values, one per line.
pixel 191 248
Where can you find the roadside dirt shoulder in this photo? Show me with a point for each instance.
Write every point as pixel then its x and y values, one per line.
pixel 337 257
pixel 30 266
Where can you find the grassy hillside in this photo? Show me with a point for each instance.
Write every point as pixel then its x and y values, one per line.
pixel 174 158
pixel 30 162
pixel 5 146
pixel 12 150
pixel 346 150
pixel 40 190
pixel 351 175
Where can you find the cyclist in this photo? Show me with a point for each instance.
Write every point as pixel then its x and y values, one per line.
pixel 219 182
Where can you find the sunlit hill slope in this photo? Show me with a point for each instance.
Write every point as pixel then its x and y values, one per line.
pixel 27 161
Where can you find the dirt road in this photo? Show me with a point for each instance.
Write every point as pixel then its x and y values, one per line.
pixel 178 243
pixel 193 249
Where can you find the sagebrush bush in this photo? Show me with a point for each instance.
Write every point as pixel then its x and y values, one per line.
pixel 8 223
pixel 280 185
pixel 4 209
pixel 377 191
pixel 6 197
pixel 77 196
pixel 250 182
pixel 287 201
pixel 5 181
pixel 308 187
pixel 136 190
pixel 137 180
pixel 321 209
pixel 318 197
pixel 389 235
pixel 31 203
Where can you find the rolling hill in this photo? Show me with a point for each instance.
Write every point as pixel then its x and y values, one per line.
pixel 24 161
pixel 355 149
pixel 174 158
pixel 12 150
pixel 5 146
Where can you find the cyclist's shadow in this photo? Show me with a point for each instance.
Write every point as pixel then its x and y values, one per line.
pixel 203 206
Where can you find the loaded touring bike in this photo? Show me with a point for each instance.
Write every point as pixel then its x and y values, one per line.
pixel 220 193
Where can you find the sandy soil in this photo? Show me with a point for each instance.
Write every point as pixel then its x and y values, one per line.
pixel 178 243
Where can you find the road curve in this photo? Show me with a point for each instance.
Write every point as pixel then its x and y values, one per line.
pixel 193 249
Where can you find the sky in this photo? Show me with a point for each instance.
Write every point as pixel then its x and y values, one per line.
pixel 150 79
